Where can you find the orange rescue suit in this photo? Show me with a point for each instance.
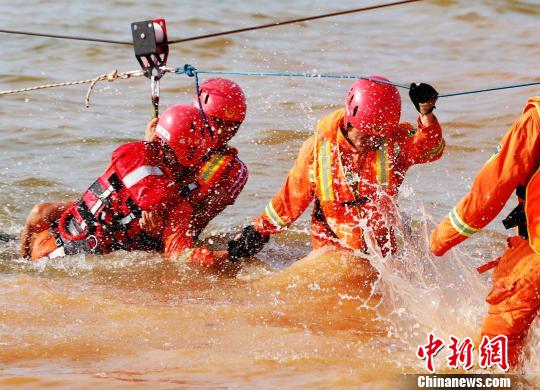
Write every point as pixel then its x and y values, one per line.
pixel 346 184
pixel 219 182
pixel 515 297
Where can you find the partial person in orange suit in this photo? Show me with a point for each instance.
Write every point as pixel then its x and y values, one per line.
pixel 514 299
pixel 353 164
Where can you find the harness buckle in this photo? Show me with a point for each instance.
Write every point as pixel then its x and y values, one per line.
pixel 517 217
pixel 92 242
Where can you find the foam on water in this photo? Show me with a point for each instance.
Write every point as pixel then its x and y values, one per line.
pixel 423 294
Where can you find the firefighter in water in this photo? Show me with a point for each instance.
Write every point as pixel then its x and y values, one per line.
pixel 514 299
pixel 208 187
pixel 217 183
pixel 350 168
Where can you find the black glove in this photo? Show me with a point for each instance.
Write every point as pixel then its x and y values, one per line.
pixel 249 243
pixel 422 93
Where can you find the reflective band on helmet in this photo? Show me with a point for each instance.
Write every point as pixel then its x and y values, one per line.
pixel 210 168
pixel 184 257
pixel 437 150
pixel 140 173
pixel 273 216
pixel 164 133
pixel 459 225
pixel 325 173
pixel 382 166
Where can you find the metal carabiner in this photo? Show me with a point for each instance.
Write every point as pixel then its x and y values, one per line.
pixel 154 86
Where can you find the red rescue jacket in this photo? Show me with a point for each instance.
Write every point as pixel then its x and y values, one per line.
pixel 106 217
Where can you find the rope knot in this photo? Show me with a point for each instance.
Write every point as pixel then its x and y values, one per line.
pixel 113 75
pixel 189 70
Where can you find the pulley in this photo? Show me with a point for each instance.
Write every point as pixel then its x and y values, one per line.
pixel 151 50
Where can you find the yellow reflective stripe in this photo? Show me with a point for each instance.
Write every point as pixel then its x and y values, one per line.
pixel 382 165
pixel 185 255
pixel 437 150
pixel 325 173
pixel 537 105
pixel 458 224
pixel 312 175
pixel 210 168
pixel 273 216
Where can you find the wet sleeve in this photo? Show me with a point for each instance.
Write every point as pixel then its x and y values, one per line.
pixel 154 191
pixel 512 164
pixel 149 187
pixel 425 143
pixel 293 197
pixel 222 193
pixel 179 238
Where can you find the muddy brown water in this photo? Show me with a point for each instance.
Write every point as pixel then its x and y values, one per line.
pixel 128 320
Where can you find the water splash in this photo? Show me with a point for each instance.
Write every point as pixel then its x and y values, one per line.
pixel 328 308
pixel 422 293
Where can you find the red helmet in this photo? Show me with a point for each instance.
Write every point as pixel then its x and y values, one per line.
pixel 372 107
pixel 182 128
pixel 222 99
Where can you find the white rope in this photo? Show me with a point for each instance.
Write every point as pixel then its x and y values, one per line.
pixel 112 76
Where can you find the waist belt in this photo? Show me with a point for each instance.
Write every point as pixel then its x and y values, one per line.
pixel 517 217
pixel 66 247
pixel 318 214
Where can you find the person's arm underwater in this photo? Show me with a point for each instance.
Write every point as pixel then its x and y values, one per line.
pixel 512 164
pixel 285 207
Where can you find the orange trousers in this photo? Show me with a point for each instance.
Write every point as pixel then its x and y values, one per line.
pixel 515 296
pixel 42 244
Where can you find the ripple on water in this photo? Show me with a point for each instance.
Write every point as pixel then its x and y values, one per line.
pixel 278 136
pixel 36 182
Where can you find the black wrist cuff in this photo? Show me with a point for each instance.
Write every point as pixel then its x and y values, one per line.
pixel 248 244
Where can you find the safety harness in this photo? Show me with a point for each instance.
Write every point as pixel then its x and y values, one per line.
pixel 92 217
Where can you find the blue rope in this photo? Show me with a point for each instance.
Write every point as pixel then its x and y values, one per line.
pixel 489 89
pixel 192 72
